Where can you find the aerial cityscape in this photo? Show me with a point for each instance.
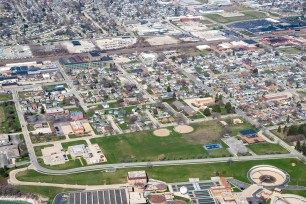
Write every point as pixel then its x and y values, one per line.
pixel 152 102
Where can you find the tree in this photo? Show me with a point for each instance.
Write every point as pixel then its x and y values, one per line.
pixel 285 129
pixel 42 111
pixel 217 108
pixel 304 148
pixel 174 95
pixel 168 89
pixel 279 129
pixel 288 119
pixel 228 107
pixel 298 146
pixel 158 80
pixel 207 112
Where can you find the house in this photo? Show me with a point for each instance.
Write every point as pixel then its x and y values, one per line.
pixel 4 140
pixel 55 111
pixel 76 115
pixel 105 105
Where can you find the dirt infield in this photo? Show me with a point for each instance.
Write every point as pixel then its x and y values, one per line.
pixel 161 132
pixel 183 129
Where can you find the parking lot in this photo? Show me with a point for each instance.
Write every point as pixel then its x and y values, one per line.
pixel 112 196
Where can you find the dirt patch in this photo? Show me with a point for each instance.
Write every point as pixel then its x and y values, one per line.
pixel 161 132
pixel 183 129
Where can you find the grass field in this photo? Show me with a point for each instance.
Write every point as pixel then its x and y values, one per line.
pixel 65 145
pixel 9 121
pixel 235 128
pixel 145 146
pixel 68 165
pixel 248 15
pixel 48 192
pixel 267 148
pixel 302 93
pixel 6 97
pixel 290 50
pixel 172 173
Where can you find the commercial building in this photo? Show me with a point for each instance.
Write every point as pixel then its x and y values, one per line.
pixel 277 96
pixel 137 178
pixel 250 136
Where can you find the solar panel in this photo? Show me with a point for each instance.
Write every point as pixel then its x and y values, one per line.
pixel 95 197
pixel 118 197
pixel 112 196
pixel 89 198
pixel 71 198
pixel 83 197
pixel 123 196
pixel 77 197
pixel 101 197
pixel 106 197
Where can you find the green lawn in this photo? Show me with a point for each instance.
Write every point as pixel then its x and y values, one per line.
pixel 50 87
pixel 68 165
pixel 267 148
pixel 182 173
pixel 9 121
pixel 48 192
pixel 65 145
pixel 6 97
pixel 38 149
pixel 237 127
pixel 248 15
pixel 296 192
pixel 145 146
pixel 289 50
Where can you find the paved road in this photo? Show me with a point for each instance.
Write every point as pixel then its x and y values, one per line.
pixel 113 124
pixel 72 88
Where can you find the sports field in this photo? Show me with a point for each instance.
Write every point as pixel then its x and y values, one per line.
pixel 247 15
pixel 145 146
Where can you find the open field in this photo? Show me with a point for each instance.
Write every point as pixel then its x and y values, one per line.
pixel 267 148
pixel 182 173
pixel 8 118
pixel 248 15
pixel 145 146
pixel 48 192
pixel 301 193
pixel 65 145
pixel 6 97
pixel 302 93
pixel 237 127
pixel 72 163
pixel 289 50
